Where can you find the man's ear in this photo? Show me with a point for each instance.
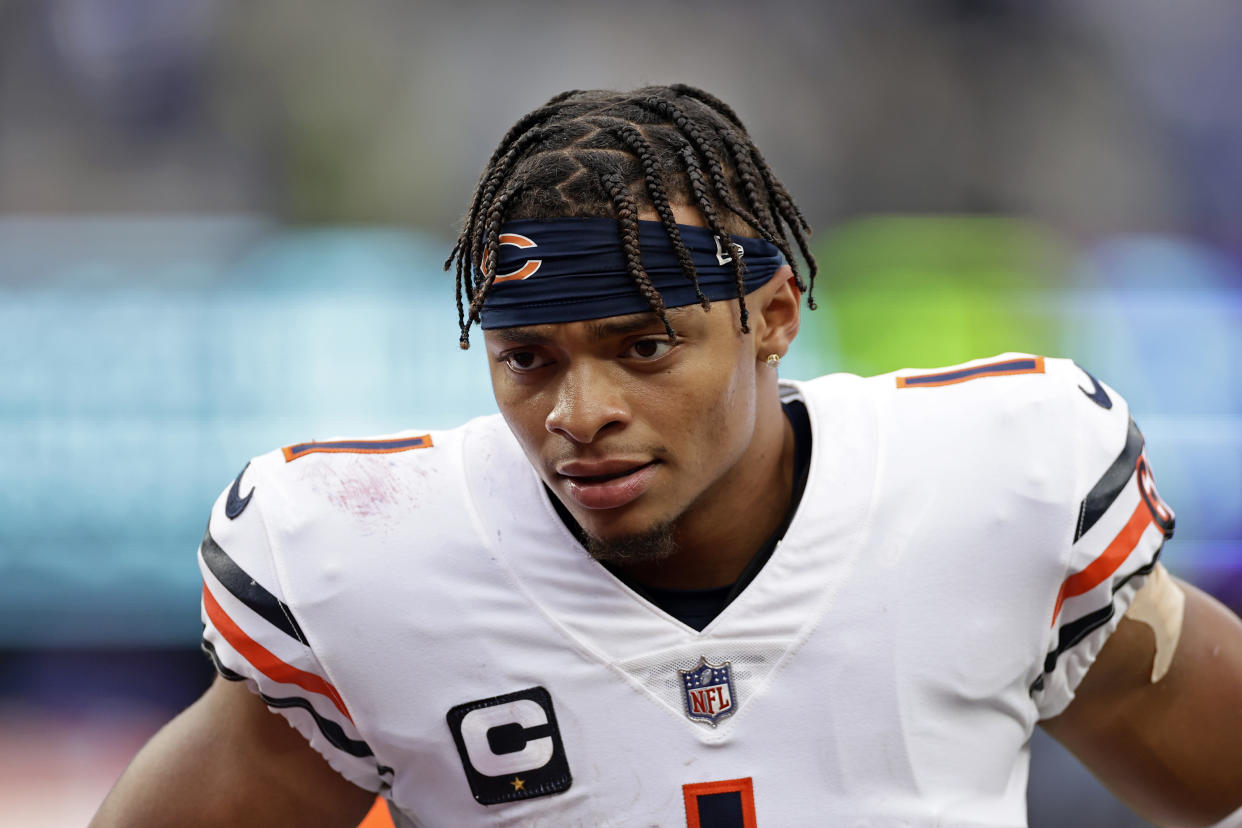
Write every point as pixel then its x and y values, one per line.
pixel 779 313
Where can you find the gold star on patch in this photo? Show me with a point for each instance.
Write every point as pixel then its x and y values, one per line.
pixel 518 783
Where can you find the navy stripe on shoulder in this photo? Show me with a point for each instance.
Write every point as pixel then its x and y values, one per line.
pixel 1106 489
pixel 1075 631
pixel 331 731
pixel 210 650
pixel 248 590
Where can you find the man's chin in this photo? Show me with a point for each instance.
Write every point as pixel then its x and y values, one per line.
pixel 655 544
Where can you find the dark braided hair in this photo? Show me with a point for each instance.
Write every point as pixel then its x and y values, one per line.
pixel 603 154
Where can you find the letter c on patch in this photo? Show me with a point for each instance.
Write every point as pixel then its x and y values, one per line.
pixel 534 753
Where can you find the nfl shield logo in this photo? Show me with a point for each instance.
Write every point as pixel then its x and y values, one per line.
pixel 707 690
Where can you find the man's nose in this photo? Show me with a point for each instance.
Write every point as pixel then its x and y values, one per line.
pixel 588 402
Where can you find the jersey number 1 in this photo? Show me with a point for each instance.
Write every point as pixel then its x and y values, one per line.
pixel 729 803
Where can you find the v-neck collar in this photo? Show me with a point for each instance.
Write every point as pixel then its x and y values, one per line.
pixel 704 604
pixel 607 618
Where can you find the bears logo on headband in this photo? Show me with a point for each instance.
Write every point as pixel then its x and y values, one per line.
pixel 583 274
pixel 525 271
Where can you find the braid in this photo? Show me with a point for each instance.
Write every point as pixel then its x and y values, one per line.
pixel 749 177
pixel 710 100
pixel 472 232
pixel 659 199
pixel 703 145
pixel 787 210
pixel 743 154
pixel 627 225
pixel 555 99
pixel 517 130
pixel 463 340
pixel 792 217
pixel 613 154
pixel 487 278
pixel 773 234
pixel 695 174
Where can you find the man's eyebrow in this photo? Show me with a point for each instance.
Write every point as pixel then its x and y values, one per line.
pixel 520 336
pixel 622 325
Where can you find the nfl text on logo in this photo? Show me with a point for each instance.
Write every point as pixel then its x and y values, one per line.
pixel 707 690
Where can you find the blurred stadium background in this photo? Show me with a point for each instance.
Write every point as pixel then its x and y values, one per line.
pixel 222 223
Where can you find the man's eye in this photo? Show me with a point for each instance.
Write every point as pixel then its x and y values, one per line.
pixel 521 361
pixel 650 348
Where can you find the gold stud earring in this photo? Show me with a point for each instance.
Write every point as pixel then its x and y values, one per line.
pixel 773 360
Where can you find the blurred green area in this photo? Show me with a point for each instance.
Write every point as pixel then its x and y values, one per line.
pixel 922 292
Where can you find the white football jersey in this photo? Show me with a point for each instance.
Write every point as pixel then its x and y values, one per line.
pixel 967 540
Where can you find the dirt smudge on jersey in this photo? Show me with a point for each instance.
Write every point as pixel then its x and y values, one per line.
pixel 369 489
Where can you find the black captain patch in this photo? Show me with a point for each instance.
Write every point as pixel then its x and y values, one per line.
pixel 510 746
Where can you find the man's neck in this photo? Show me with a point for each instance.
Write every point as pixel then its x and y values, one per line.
pixel 717 537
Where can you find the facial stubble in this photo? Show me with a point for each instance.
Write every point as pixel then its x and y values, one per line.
pixel 656 544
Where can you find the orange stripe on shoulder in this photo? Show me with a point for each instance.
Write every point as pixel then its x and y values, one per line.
pixel 1000 368
pixel 1108 561
pixel 264 660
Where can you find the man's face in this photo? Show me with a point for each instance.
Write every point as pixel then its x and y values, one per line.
pixel 630 431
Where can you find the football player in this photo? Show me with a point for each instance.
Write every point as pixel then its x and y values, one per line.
pixel 665 587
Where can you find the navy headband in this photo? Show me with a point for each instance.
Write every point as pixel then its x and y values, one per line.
pixel 570 269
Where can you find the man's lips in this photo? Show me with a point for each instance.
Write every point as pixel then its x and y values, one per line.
pixel 606 484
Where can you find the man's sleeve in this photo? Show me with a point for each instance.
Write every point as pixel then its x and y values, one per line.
pixel 252 635
pixel 1120 524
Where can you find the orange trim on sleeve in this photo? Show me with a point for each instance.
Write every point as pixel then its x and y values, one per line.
pixel 966 374
pixel 1108 561
pixel 392 446
pixel 265 661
